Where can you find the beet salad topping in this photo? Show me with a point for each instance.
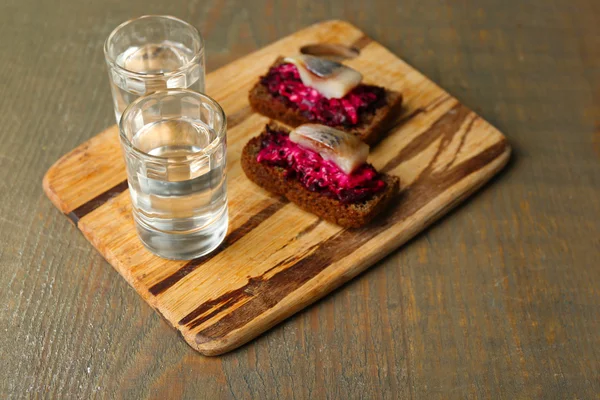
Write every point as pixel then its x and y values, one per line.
pixel 283 81
pixel 317 174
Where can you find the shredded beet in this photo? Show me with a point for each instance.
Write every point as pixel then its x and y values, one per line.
pixel 317 174
pixel 283 81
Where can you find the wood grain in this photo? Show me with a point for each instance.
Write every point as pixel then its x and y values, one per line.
pixel 499 300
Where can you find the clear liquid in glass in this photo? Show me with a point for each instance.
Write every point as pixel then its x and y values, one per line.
pixel 154 59
pixel 180 207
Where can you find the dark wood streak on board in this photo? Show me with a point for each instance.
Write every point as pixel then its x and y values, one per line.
pixel 445 127
pixel 96 202
pixel 236 118
pixel 291 259
pixel 267 210
pixel 361 42
pixel 463 139
pixel 308 229
pixel 407 117
pixel 281 284
pixel 439 101
pixel 221 303
pixel 199 315
pixel 300 234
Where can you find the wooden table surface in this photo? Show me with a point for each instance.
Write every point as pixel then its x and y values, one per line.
pixel 501 299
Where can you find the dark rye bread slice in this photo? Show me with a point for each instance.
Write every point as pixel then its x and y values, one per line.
pixel 370 130
pixel 272 178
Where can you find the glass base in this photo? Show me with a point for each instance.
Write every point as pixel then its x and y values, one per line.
pixel 177 246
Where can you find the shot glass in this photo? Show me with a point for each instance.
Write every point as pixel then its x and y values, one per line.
pixel 151 53
pixel 175 151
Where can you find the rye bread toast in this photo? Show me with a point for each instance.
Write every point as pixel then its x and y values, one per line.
pixel 273 179
pixel 372 126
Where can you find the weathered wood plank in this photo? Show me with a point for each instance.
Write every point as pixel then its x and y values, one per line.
pixel 498 301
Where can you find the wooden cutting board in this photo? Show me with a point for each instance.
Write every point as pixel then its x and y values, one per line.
pixel 276 258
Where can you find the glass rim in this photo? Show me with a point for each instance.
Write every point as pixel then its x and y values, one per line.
pixel 207 151
pixel 113 64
